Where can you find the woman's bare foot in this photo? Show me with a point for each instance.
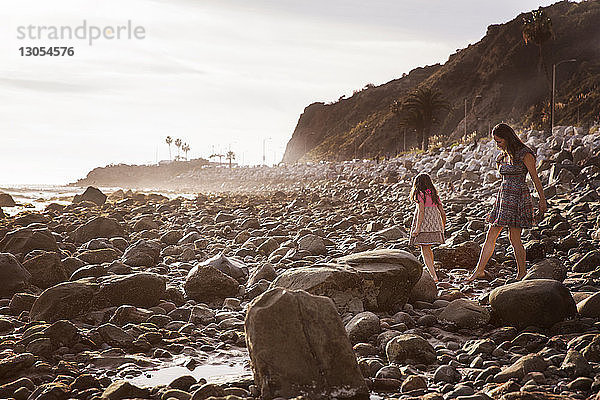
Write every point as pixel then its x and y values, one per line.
pixel 476 275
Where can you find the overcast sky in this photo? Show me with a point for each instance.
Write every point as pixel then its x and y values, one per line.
pixel 219 74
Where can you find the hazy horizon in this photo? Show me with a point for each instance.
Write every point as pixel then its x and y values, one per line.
pixel 219 75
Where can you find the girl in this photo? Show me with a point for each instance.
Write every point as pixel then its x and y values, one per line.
pixel 429 221
pixel 513 208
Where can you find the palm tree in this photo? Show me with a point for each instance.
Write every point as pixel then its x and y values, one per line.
pixel 421 109
pixel 396 109
pixel 185 148
pixel 178 145
pixel 230 156
pixel 169 140
pixel 217 155
pixel 537 28
pixel 413 120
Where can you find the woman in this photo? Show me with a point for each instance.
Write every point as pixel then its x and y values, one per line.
pixel 513 208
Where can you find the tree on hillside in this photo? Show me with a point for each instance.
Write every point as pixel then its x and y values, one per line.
pixel 230 157
pixel 396 109
pixel 420 111
pixel 178 144
pixel 537 28
pixel 185 147
pixel 169 140
pixel 413 120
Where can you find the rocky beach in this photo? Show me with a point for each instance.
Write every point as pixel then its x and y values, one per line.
pixel 297 281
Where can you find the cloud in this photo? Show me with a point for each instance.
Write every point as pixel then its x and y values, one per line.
pixel 48 86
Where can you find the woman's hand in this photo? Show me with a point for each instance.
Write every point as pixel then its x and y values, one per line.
pixel 529 162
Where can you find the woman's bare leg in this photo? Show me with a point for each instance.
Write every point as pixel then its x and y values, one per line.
pixel 514 234
pixel 486 252
pixel 428 259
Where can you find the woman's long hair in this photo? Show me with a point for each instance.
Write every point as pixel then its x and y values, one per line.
pixel 513 143
pixel 423 184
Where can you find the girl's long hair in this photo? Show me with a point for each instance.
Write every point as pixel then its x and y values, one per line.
pixel 421 184
pixel 513 143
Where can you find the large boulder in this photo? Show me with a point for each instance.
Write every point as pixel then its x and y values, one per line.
pixel 91 194
pixel 28 218
pixel 521 367
pixel 142 289
pixel 590 307
pixel 313 244
pixel 425 289
pixel 22 241
pixel 390 273
pixel 124 390
pixel 12 275
pixel 362 327
pixel 409 348
pixel 298 346
pixel 550 268
pixel 538 302
pixel 99 227
pixel 46 270
pixel 588 262
pixel 143 253
pixel 6 200
pixel 68 300
pixel 207 284
pixel 381 280
pixel 64 301
pixel 341 284
pixel 229 266
pixel 15 364
pixel 99 256
pixel 465 314
pixel 465 255
pixel 145 223
pixel 265 271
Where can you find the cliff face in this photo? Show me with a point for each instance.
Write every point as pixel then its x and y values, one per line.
pixel 499 77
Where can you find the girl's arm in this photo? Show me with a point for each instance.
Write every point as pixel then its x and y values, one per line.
pixel 529 161
pixel 420 217
pixel 443 214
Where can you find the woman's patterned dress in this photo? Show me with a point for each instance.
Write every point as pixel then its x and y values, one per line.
pixel 513 207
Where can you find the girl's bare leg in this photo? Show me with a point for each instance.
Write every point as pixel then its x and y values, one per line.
pixel 428 259
pixel 514 234
pixel 486 252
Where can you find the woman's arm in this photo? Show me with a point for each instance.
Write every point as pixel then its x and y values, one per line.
pixel 529 162
pixel 420 217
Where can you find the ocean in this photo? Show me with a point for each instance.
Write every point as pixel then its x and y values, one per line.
pixel 37 197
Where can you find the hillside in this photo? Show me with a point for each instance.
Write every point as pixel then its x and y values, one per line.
pixel 498 76
pixel 134 176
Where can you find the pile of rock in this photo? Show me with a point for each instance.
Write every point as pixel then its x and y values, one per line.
pixel 97 293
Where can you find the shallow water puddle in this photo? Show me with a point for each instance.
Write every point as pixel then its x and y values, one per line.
pixel 214 371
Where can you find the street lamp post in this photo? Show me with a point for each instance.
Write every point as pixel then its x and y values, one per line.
pixel 554 89
pixel 264 142
pixel 465 135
